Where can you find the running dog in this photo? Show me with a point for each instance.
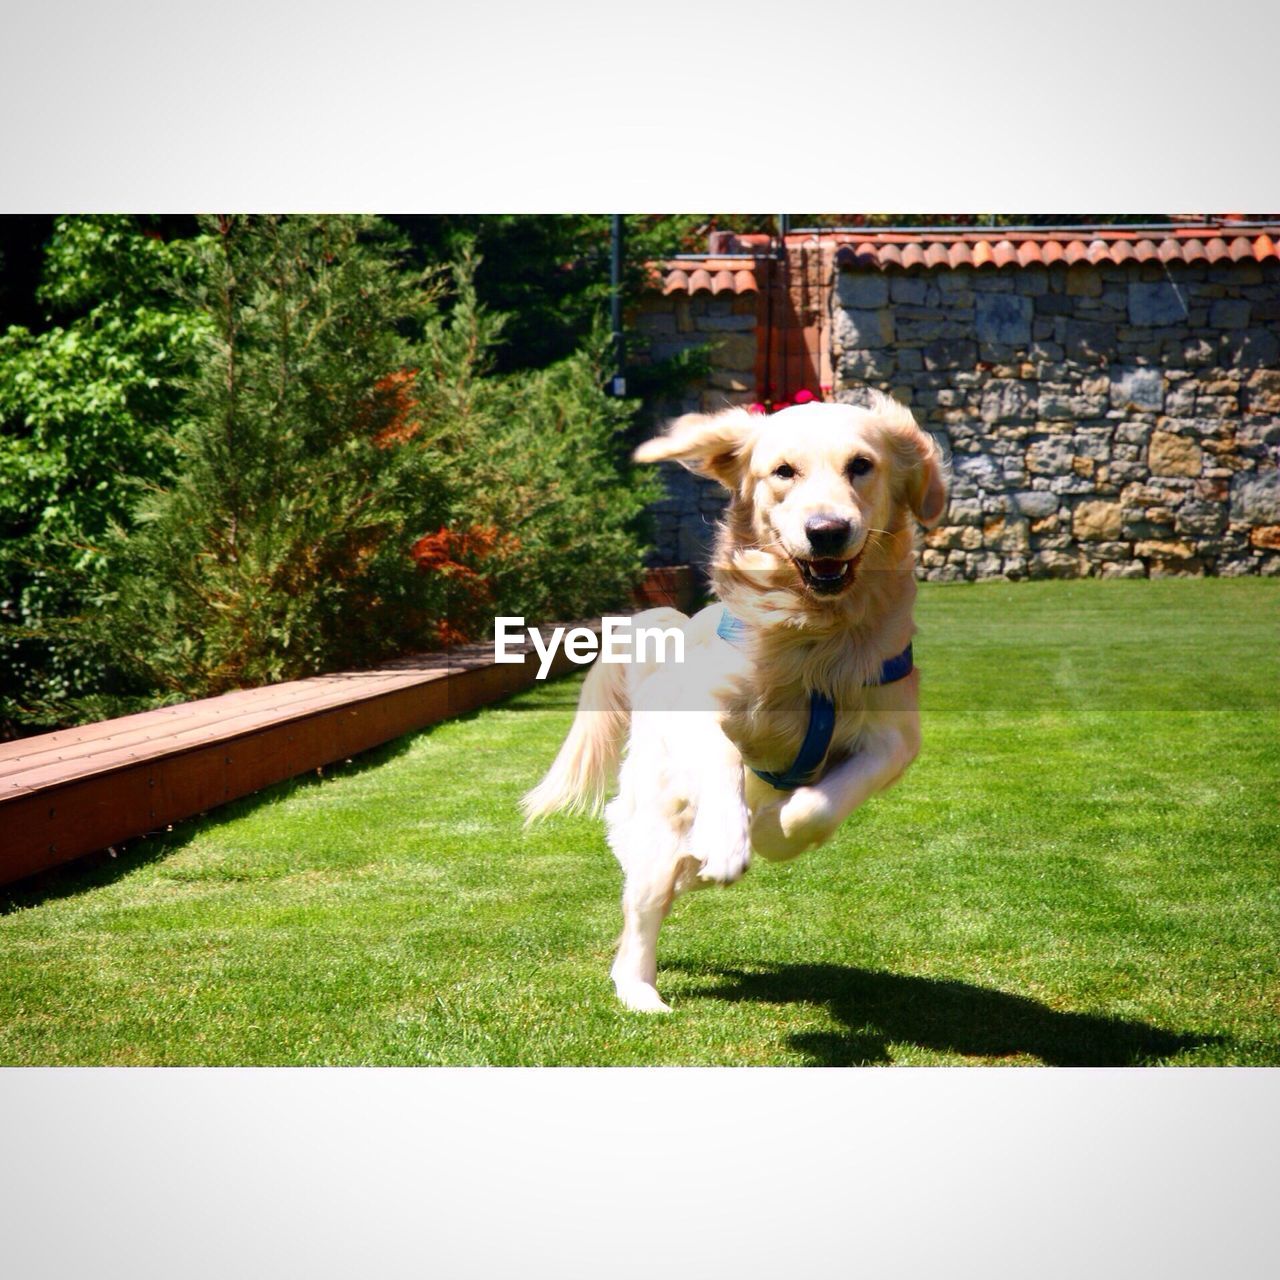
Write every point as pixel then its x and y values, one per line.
pixel 797 698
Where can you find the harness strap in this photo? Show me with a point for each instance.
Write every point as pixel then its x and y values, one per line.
pixel 822 712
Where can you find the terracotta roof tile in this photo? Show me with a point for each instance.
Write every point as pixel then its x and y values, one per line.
pixel 972 246
pixel 935 255
pixel 1207 240
pixel 705 275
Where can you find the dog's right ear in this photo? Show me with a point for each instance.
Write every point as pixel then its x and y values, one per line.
pixel 711 444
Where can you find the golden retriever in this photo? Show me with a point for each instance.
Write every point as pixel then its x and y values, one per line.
pixel 814 571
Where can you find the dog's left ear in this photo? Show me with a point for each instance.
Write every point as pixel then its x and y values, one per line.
pixel 918 460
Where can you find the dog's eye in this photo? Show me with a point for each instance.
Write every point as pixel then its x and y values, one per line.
pixel 785 471
pixel 859 466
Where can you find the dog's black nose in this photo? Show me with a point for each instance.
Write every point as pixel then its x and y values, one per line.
pixel 828 535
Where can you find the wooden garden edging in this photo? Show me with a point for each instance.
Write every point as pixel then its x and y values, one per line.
pixel 79 790
pixel 76 791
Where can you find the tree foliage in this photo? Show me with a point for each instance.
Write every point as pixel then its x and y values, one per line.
pixel 277 546
pixel 539 463
pixel 87 411
pixel 273 448
pixel 549 273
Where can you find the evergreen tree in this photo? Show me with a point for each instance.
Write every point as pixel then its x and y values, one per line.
pixel 355 481
pixel 546 511
pixel 307 461
pixel 549 273
pixel 279 547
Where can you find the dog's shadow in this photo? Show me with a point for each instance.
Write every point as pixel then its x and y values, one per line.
pixel 877 1010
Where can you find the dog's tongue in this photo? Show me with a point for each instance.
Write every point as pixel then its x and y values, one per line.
pixel 826 568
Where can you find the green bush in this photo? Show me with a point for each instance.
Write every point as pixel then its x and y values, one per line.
pixel 346 477
pixel 87 408
pixel 539 473
pixel 278 547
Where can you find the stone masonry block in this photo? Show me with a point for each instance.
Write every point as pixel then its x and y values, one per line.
pixel 1229 313
pixel 734 351
pixel 1003 318
pixel 1251 348
pixel 1008 400
pixel 1262 391
pixel 1097 521
pixel 856 327
pixel 1158 303
pixel 1255 497
pixel 1088 342
pixel 1051 457
pixel 1172 455
pixel 910 290
pixel 1137 388
pixel 862 291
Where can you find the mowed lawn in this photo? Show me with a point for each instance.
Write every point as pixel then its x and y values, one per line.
pixel 1083 868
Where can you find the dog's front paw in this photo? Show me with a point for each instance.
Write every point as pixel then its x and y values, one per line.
pixel 641 997
pixel 807 816
pixel 726 865
pixel 786 829
pixel 721 849
pixel 768 838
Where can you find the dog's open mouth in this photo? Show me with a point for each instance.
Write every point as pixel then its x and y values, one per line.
pixel 828 577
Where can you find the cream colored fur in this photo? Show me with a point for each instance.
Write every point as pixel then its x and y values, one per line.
pixel 687 813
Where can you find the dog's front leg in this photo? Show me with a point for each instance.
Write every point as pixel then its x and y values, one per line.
pixel 809 816
pixel 719 837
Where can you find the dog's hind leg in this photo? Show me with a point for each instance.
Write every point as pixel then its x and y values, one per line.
pixel 635 968
pixel 648 847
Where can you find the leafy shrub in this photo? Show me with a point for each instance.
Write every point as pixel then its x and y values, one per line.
pixel 351 480
pixel 272 450
pixel 86 412
pixel 538 460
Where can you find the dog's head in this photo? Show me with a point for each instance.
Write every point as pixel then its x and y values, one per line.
pixel 819 490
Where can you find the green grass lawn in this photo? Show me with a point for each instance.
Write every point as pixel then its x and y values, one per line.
pixel 1082 868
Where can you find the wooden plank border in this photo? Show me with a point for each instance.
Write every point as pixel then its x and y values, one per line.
pixel 64 795
pixel 65 819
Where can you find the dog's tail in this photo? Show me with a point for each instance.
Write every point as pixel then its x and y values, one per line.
pixel 580 775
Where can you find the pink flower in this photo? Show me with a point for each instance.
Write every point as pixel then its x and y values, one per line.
pixel 803 397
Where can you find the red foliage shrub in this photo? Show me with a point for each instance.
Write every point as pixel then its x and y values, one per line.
pixel 467 558
pixel 394 407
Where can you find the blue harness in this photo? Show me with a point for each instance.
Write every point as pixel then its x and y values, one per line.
pixel 822 713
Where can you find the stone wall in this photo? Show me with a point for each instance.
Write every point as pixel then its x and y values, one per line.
pixel 1121 421
pixel 684 521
